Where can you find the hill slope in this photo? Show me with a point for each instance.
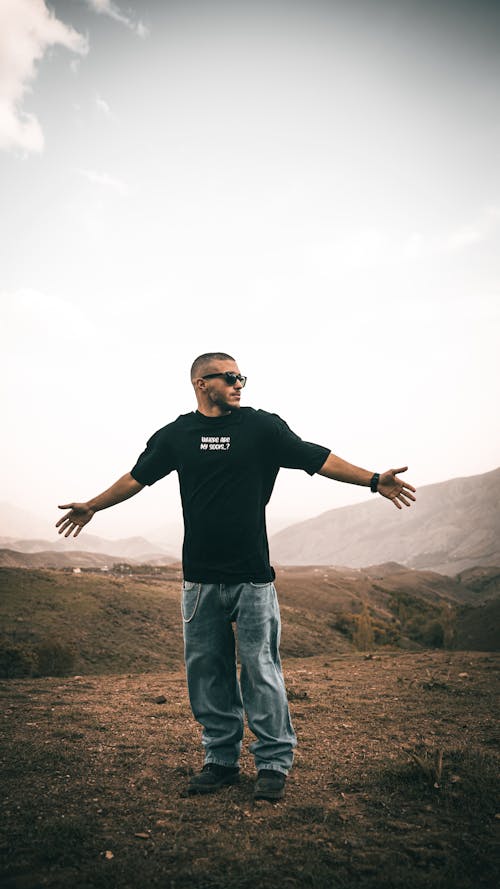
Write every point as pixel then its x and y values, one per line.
pixel 454 525
pixel 111 623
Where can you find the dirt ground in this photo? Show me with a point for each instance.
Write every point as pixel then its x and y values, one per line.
pixel 395 782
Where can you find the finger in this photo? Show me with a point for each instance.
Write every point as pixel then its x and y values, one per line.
pixel 395 471
pixel 66 506
pixel 64 526
pixel 63 519
pixel 393 499
pixel 404 500
pixel 70 529
pixel 407 494
pixel 408 486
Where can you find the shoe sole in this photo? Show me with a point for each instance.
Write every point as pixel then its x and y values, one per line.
pixel 270 795
pixel 193 789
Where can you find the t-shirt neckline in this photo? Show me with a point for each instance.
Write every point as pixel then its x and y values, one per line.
pixel 224 418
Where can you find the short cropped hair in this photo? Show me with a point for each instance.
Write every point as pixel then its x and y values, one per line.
pixel 202 361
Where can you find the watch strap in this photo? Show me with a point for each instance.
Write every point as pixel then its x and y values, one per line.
pixel 374 482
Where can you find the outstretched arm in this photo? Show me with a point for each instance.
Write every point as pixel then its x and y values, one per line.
pixel 389 485
pixel 81 513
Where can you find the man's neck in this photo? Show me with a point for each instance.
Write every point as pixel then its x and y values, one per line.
pixel 215 411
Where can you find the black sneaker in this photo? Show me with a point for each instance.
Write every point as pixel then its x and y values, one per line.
pixel 213 776
pixel 270 785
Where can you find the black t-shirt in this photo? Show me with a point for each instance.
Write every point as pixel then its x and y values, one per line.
pixel 227 467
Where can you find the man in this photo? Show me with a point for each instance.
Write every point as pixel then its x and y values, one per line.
pixel 227 459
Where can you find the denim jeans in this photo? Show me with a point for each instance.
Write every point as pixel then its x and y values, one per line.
pixel 217 697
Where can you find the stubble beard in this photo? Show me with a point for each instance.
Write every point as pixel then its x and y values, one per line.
pixel 225 403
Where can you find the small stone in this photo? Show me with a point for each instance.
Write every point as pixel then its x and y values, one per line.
pixel 108 854
pixel 161 699
pixel 400 825
pixel 463 675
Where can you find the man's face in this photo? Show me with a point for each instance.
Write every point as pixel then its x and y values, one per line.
pixel 221 394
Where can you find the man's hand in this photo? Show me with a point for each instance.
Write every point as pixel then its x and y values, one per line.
pixel 394 488
pixel 80 514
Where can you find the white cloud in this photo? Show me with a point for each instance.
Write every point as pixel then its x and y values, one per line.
pixel 480 229
pixel 464 237
pixel 27 29
pixel 107 7
pixel 106 180
pixel 142 31
pixel 374 248
pixel 412 246
pixel 360 249
pixel 103 106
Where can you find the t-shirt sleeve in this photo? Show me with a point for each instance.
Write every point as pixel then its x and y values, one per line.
pixel 291 452
pixel 156 461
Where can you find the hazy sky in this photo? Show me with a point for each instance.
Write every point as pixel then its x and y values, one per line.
pixel 311 186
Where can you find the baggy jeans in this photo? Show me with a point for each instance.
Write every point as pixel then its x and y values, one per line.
pixel 217 697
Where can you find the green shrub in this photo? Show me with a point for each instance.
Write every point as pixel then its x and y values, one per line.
pixel 427 623
pixel 16 661
pixel 363 636
pixel 54 658
pixel 386 633
pixel 344 623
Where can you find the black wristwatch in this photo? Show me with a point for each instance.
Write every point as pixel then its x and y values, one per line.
pixel 374 482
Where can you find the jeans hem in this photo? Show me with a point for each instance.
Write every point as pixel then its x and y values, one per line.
pixel 271 767
pixel 221 762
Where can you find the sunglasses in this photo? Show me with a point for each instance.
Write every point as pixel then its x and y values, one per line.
pixel 229 377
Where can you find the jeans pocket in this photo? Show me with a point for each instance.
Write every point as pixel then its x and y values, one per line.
pixel 261 586
pixel 190 599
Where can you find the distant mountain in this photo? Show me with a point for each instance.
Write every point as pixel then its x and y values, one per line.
pixel 10 558
pixel 167 536
pixel 25 531
pixel 453 526
pixel 135 548
pixel 485 582
pixel 14 559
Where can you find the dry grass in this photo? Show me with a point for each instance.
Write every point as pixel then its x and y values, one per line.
pixel 94 775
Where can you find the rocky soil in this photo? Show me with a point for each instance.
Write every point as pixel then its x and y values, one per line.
pixel 395 782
